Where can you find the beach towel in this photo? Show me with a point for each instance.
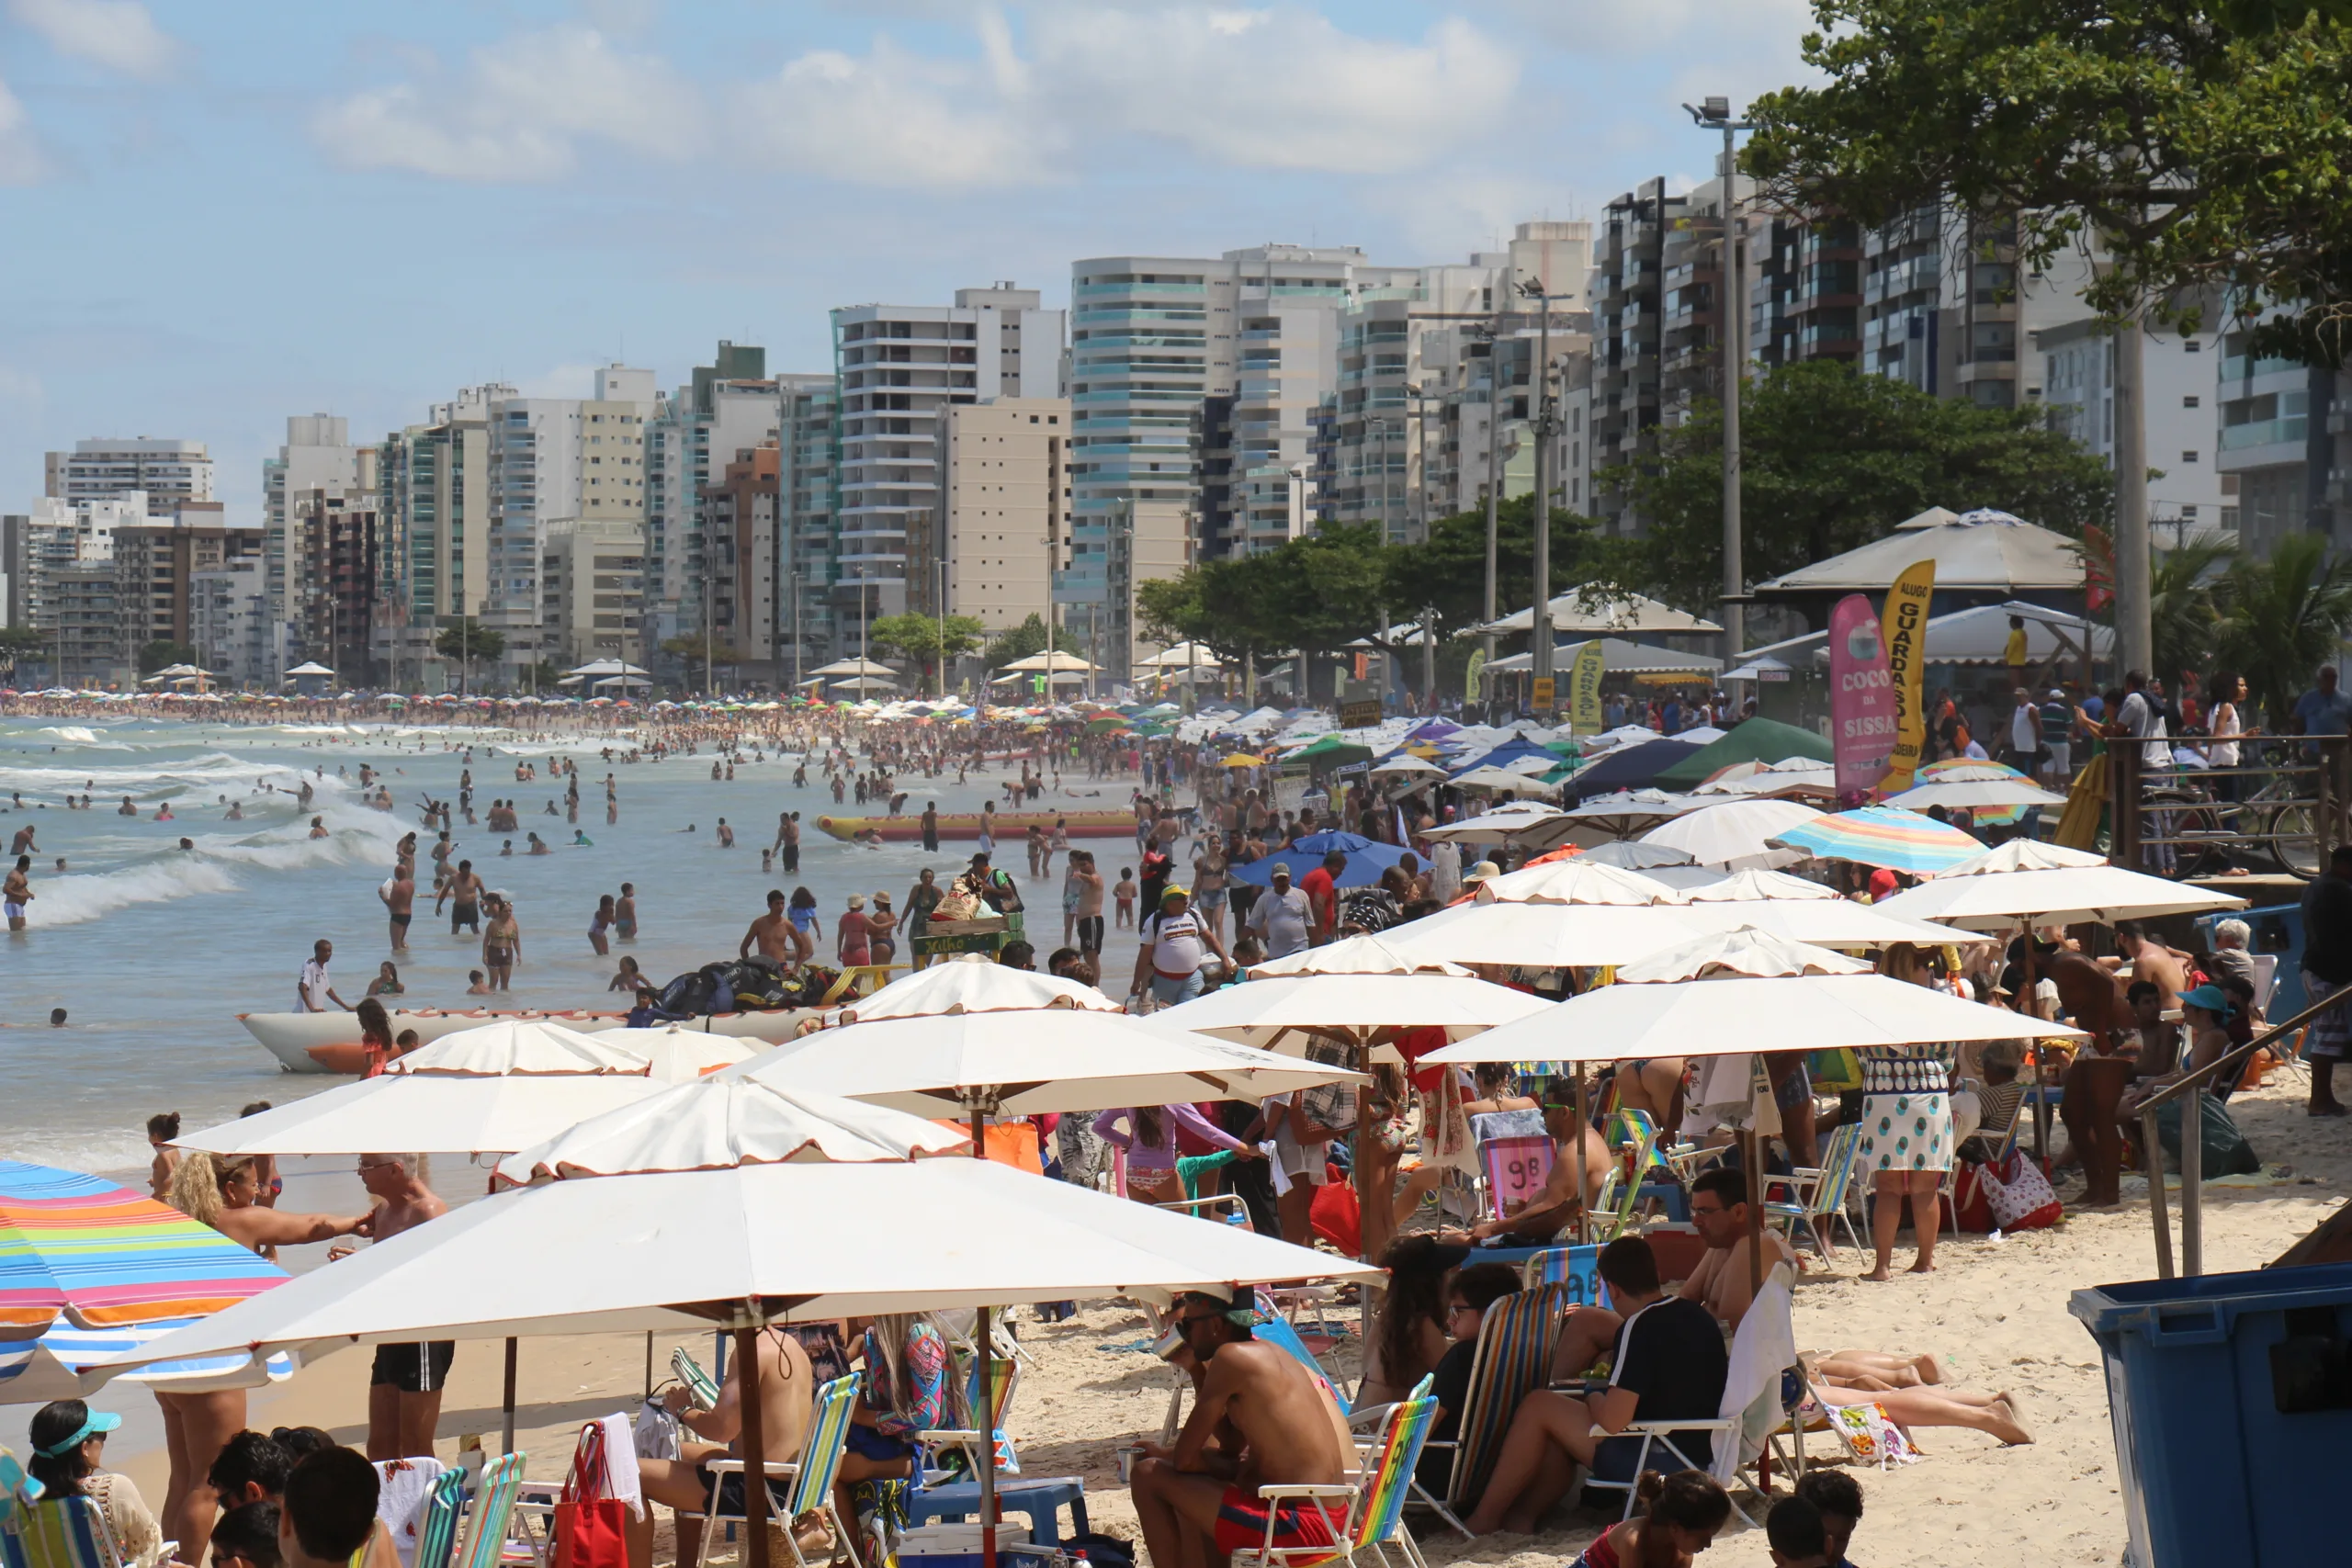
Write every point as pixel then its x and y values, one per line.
pixel 1870 1436
pixel 1765 1347
pixel 402 1487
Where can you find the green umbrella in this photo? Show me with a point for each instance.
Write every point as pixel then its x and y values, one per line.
pixel 1332 751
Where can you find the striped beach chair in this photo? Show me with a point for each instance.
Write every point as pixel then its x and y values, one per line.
pixel 1376 1499
pixel 1513 1357
pixel 492 1512
pixel 812 1476
pixel 437 1522
pixel 61 1532
pixel 1818 1197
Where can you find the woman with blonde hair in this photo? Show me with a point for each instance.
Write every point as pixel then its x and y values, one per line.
pixel 224 1193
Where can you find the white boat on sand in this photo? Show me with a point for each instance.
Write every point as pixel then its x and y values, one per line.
pixel 329 1041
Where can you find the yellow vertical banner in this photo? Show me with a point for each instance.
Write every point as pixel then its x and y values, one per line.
pixel 1584 689
pixel 1470 678
pixel 1904 629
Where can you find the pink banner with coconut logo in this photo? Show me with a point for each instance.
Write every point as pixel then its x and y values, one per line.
pixel 1862 698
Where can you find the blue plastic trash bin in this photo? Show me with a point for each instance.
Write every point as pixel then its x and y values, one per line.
pixel 2231 1400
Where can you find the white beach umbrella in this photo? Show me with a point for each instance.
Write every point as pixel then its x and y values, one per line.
pixel 675 1054
pixel 1757 884
pixel 1366 954
pixel 1733 833
pixel 1501 781
pixel 1743 951
pixel 973 983
pixel 1577 881
pixel 1737 1015
pixel 420 1114
pixel 1985 894
pixel 1369 1011
pixel 1631 854
pixel 1015 1064
pixel 1826 922
pixel 525 1046
pixel 1545 936
pixel 1631 810
pixel 1408 766
pixel 1530 822
pixel 1054 661
pixel 853 667
pixel 1973 794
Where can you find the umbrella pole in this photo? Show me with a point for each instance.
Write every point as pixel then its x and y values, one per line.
pixel 506 1441
pixel 1751 1155
pixel 985 1417
pixel 755 1451
pixel 1584 1197
pixel 2040 1090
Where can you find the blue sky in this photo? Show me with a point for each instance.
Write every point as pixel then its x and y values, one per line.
pixel 215 215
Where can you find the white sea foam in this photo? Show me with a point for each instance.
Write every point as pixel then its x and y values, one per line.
pixel 72 732
pixel 356 837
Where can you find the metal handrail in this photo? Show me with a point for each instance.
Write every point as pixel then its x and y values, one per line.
pixel 2192 1144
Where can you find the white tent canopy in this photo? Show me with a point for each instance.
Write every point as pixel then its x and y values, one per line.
pixel 1184 656
pixel 598 668
pixel 1015 1064
pixel 1981 552
pixel 310 667
pixel 1053 662
pixel 1618 657
pixel 1976 637
pixel 1577 611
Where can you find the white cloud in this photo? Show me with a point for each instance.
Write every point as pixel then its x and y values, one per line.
pixel 520 110
pixel 1275 88
pixel 117 34
pixel 898 119
pixel 21 161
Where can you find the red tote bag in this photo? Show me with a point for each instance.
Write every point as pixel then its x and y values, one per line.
pixel 591 1529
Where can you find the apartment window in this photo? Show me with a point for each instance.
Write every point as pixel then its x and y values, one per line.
pixel 2190 401
pixel 2188 456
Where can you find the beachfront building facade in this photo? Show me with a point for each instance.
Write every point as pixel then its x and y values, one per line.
pixel 341 544
pixel 742 527
pixel 230 622
pixel 432 502
pixel 592 591
pixel 808 446
pixel 167 472
pixel 899 369
pixel 316 458
pixel 728 406
pixel 1002 526
pixel 156 564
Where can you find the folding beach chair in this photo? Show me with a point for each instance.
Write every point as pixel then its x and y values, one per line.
pixel 1514 1156
pixel 1005 1379
pixel 1817 1194
pixel 1375 1498
pixel 58 1532
pixel 436 1521
pixel 1514 1357
pixel 944 1492
pixel 492 1512
pixel 812 1475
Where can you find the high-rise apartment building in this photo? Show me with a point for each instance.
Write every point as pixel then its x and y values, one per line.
pixel 730 405
pixel 899 368
pixel 342 542
pixel 155 563
pixel 57 535
pixel 433 509
pixel 810 443
pixel 1002 526
pixel 167 472
pixel 592 591
pixel 230 623
pixel 743 524
pixel 317 458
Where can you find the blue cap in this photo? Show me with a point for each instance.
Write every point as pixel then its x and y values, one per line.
pixel 97 1423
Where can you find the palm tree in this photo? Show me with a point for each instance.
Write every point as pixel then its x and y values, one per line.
pixel 2282 618
pixel 2183 608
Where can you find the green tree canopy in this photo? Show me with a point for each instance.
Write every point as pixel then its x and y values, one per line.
pixel 2202 148
pixel 917 637
pixel 163 652
pixel 1448 570
pixel 2279 619
pixel 1032 635
pixel 467 639
pixel 1831 460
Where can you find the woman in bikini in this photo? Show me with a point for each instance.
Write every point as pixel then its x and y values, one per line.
pixel 599 924
pixel 1679 1518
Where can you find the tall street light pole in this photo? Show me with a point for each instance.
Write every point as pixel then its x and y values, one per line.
pixel 1714 113
pixel 1547 421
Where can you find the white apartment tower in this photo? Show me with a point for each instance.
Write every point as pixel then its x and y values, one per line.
pixel 167 472
pixel 317 457
pixel 900 367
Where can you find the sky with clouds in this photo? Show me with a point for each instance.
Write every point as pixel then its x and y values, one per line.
pixel 218 214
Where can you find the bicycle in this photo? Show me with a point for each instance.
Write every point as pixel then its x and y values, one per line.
pixel 2275 819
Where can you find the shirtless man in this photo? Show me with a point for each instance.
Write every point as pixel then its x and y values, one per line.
pixel 773 935
pixel 1198 1507
pixel 18 892
pixel 399 899
pixel 405 1387
pixel 466 888
pixel 787 1390
pixel 1720 1282
pixel 2153 961
pixel 1575 1146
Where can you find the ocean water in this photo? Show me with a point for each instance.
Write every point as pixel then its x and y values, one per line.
pixel 155 950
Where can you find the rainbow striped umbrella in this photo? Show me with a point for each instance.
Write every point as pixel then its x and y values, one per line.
pixel 1883 835
pixel 89 1270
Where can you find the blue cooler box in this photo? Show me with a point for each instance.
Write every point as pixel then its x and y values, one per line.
pixel 2231 1399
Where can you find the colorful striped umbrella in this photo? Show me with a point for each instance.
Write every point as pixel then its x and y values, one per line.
pixel 89 1269
pixel 1968 769
pixel 1883 835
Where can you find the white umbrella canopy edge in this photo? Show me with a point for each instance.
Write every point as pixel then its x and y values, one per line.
pixel 2067 896
pixel 1047 1059
pixel 738 1248
pixel 973 983
pixel 1545 936
pixel 426 1114
pixel 1280 1012
pixel 1734 1017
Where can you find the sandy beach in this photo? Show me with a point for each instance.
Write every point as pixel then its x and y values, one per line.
pixel 1994 1313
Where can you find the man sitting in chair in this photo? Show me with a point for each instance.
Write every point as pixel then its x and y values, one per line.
pixel 1197 1506
pixel 1670 1363
pixel 1720 1282
pixel 787 1397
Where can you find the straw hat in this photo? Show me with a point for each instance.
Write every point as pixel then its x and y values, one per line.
pixel 857 901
